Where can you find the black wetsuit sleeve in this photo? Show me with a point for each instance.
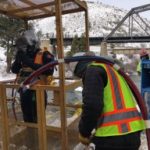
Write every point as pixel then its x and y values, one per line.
pixel 93 88
pixel 15 67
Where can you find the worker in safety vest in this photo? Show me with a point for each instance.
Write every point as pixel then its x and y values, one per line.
pixel 30 57
pixel 109 108
pixel 143 56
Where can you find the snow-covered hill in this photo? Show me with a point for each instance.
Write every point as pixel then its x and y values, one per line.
pixel 102 19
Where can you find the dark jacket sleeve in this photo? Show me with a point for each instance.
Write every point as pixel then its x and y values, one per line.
pixel 15 67
pixel 93 88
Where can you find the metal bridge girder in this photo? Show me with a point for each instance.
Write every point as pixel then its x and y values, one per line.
pixel 133 11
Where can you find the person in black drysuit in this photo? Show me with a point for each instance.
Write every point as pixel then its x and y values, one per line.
pixel 23 65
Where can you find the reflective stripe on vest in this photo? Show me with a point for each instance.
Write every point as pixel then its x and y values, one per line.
pixel 120 115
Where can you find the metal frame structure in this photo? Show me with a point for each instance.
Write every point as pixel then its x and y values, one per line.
pixel 133 11
pixel 130 15
pixel 36 9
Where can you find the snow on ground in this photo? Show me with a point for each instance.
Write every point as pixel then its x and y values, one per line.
pixel 3 74
pixel 143 142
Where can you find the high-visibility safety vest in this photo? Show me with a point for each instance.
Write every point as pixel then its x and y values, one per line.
pixel 120 114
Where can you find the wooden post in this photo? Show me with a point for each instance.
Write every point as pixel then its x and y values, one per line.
pixel 5 124
pixel 59 35
pixel 87 30
pixel 40 99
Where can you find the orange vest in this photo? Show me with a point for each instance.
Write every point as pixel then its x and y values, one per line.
pixel 39 58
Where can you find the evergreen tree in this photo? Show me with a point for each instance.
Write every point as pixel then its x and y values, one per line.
pixel 82 44
pixel 75 45
pixel 78 45
pixel 10 29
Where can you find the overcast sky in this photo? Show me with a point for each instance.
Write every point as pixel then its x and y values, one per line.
pixel 128 4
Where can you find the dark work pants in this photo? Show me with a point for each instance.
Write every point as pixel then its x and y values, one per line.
pixel 126 142
pixel 28 105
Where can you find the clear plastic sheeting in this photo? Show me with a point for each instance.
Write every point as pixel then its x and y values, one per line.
pixel 53 116
pixel 73 98
pixel 12 4
pixel 21 140
pixel 31 9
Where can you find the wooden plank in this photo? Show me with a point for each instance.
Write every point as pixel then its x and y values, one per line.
pixel 18 13
pixel 67 105
pixel 59 35
pixel 48 87
pixel 45 87
pixel 33 4
pixel 53 14
pixel 52 128
pixel 11 85
pixel 9 14
pixel 87 30
pixel 41 119
pixel 81 4
pixel 20 123
pixel 5 124
pixel 39 6
pixel 69 86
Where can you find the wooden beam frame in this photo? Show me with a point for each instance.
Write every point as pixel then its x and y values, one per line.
pixel 81 4
pixel 87 30
pixel 33 4
pixel 9 15
pixel 52 14
pixel 39 6
pixel 4 113
pixel 61 89
pixel 59 34
pixel 41 119
pixel 31 7
pixel 46 13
